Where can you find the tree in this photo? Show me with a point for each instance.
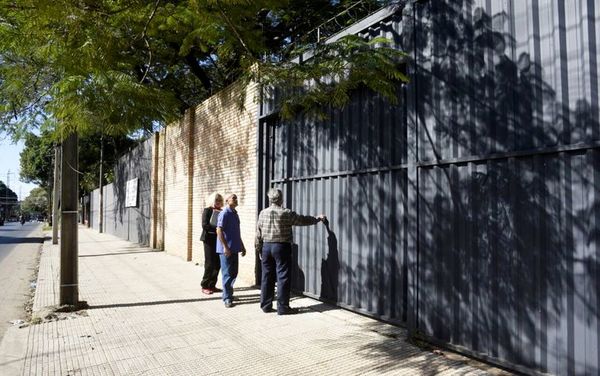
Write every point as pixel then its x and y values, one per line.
pixel 118 66
pixel 89 159
pixel 37 159
pixel 36 202
pixel 9 200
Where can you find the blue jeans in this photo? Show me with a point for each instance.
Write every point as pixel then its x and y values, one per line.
pixel 276 259
pixel 229 272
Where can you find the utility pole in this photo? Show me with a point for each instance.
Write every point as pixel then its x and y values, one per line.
pixel 69 288
pixel 6 196
pixel 55 197
pixel 101 196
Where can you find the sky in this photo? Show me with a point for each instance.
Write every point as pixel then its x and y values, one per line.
pixel 9 163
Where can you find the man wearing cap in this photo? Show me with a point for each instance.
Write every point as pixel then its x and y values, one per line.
pixel 229 245
pixel 274 247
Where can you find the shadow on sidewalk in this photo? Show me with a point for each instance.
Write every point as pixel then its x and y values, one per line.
pixel 22 359
pixel 118 253
pixel 159 302
pixel 111 241
pixel 245 299
pixel 319 307
pixel 11 240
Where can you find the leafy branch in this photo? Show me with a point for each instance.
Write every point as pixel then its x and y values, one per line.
pixel 331 73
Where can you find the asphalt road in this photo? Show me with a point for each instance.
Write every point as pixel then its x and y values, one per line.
pixel 19 247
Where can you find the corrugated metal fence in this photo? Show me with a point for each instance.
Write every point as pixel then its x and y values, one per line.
pixel 130 223
pixel 471 211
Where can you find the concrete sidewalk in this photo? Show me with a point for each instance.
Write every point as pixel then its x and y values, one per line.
pixel 146 316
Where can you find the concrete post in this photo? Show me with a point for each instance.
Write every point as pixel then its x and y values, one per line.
pixel 101 194
pixel 155 175
pixel 55 195
pixel 69 292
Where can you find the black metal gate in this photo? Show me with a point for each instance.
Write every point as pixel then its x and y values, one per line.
pixel 470 212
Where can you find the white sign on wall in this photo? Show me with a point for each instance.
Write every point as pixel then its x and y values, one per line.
pixel 131 193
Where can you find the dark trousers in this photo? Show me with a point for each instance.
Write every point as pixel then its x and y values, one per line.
pixel 229 272
pixel 212 264
pixel 276 261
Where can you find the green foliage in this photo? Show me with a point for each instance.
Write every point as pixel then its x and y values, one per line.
pixel 89 159
pixel 333 71
pixel 8 200
pixel 37 159
pixel 6 194
pixel 36 202
pixel 116 66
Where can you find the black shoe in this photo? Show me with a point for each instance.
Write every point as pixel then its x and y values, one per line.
pixel 267 309
pixel 228 304
pixel 286 310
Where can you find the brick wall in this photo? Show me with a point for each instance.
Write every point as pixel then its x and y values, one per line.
pixel 175 186
pixel 212 148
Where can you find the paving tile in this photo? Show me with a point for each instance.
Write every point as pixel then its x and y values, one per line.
pixel 147 316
